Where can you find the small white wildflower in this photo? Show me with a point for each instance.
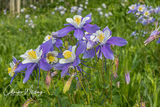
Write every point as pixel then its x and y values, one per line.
pixel 17 16
pixel 81 5
pixel 104 5
pixel 99 9
pixel 106 15
pixel 110 14
pixel 34 7
pixel 35 17
pixel 22 10
pixel 101 13
pixel 31 6
pixel 62 12
pixel 53 13
pixel 27 16
pixel 26 21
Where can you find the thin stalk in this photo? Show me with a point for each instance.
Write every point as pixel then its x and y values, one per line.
pixel 111 85
pixel 104 67
pixel 83 87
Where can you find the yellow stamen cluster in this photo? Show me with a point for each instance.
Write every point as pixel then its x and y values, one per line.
pixel 132 7
pixel 67 54
pixel 51 58
pixel 77 20
pixel 140 8
pixel 32 54
pixel 11 71
pixel 101 37
pixel 49 37
pixel 146 13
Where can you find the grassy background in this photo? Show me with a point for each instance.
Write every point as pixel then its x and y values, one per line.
pixel 101 88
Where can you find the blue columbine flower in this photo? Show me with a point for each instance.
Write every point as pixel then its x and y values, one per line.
pixel 70 60
pixel 154 35
pixel 133 8
pixel 15 67
pixel 146 13
pixel 79 25
pixel 100 41
pixel 157 10
pixel 133 33
pixel 104 41
pixel 151 20
pixel 141 8
pixel 52 57
pixel 50 41
pixel 86 46
pixel 34 60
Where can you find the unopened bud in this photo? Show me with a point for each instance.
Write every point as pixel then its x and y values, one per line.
pixel 27 102
pixel 48 79
pixel 68 84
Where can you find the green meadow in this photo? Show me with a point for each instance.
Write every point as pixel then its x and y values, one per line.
pixel 98 87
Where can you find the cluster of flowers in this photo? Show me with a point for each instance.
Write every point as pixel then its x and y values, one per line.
pixel 154 35
pixel 80 8
pixel 91 42
pixel 60 9
pixel 144 13
pixel 33 7
pixel 74 9
pixel 136 34
pixel 29 21
pixel 77 9
pixel 102 10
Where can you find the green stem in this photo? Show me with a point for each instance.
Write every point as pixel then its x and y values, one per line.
pixel 83 87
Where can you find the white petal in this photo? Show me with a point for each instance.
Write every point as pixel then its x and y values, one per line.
pixel 56 60
pixel 24 56
pixel 69 20
pixel 11 64
pixel 77 16
pixel 64 61
pixel 89 45
pixel 38 49
pixel 93 38
pixel 84 38
pixel 73 49
pixel 107 33
pixel 55 53
pixel 38 52
pixel 26 61
pixel 53 40
pixel 85 19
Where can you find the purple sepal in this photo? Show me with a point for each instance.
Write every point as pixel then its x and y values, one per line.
pixel 107 52
pixel 44 65
pixel 91 28
pixel 29 71
pixel 117 41
pixel 63 32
